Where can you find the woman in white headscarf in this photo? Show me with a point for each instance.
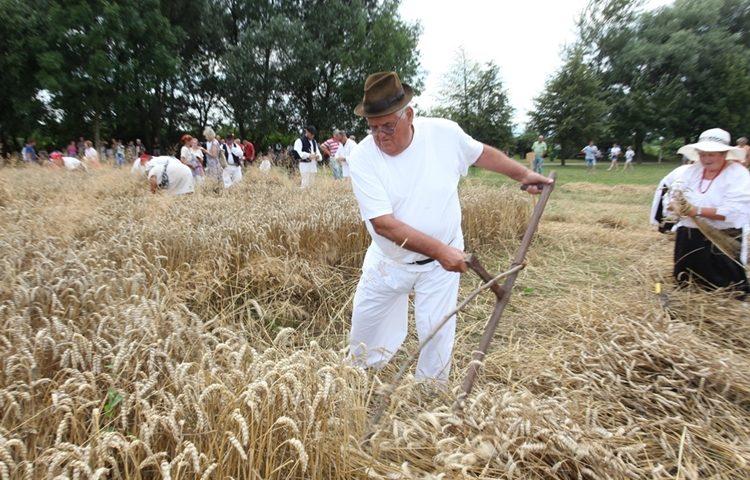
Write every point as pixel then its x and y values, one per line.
pixel 711 202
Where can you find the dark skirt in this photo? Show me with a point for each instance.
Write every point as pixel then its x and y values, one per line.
pixel 698 260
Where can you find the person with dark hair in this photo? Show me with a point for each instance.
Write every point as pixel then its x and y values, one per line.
pixel 232 150
pixel 307 153
pixel 28 154
pixel 405 177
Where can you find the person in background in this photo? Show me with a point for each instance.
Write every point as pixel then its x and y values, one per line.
pixel 71 164
pixel 405 177
pixel 156 147
pixel 265 161
pixel 140 148
pixel 590 154
pixel 139 165
pixel 72 151
pixel 711 203
pixel 90 155
pixel 344 152
pixel 614 156
pixel 232 173
pixel 81 146
pixel 248 149
pixel 168 175
pixel 307 152
pixel 213 150
pixel 28 154
pixel 629 156
pixel 540 151
pixel 742 143
pixel 119 153
pixel 329 148
pixel 197 153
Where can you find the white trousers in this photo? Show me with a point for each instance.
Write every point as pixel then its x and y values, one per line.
pixel 232 174
pixel 308 178
pixel 380 314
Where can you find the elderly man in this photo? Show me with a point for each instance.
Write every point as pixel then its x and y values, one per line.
pixel 344 152
pixel 405 177
pixel 540 150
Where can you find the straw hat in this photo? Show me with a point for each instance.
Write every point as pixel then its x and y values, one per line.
pixel 384 94
pixel 713 140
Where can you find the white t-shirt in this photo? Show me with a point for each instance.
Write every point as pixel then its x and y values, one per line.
pixel 71 163
pixel 180 176
pixel 343 153
pixel 419 186
pixel 91 153
pixel 614 152
pixel 629 154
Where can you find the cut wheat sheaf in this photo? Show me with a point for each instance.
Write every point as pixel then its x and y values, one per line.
pixel 204 337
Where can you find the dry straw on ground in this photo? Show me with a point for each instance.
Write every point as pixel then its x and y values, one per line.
pixel 203 337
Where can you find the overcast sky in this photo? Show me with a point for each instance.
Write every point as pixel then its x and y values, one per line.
pixel 525 38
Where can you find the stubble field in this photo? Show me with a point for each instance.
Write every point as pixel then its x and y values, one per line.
pixel 204 337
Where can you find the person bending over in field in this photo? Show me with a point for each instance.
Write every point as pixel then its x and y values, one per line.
pixel 405 177
pixel 169 175
pixel 70 164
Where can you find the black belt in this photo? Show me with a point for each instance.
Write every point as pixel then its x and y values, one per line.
pixel 422 262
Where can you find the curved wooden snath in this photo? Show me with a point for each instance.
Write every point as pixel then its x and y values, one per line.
pixel 503 293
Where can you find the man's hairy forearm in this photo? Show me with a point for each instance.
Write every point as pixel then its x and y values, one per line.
pixel 406 236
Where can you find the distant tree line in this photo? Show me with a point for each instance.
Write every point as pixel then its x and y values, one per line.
pixel 153 69
pixel 633 76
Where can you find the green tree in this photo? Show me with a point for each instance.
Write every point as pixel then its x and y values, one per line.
pixel 473 96
pixel 102 66
pixel 674 71
pixel 297 63
pixel 571 109
pixel 20 106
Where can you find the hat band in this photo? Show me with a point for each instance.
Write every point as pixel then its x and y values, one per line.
pixel 382 104
pixel 714 139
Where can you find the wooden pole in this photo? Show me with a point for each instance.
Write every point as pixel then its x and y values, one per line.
pixel 504 296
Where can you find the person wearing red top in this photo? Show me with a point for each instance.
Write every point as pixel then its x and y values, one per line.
pixel 249 150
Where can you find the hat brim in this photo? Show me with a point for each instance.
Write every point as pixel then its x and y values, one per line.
pixel 691 151
pixel 359 110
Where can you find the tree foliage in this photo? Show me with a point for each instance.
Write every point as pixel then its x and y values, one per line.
pixel 571 110
pixel 156 68
pixel 671 72
pixel 473 96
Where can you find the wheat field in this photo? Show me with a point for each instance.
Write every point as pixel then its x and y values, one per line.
pixel 146 337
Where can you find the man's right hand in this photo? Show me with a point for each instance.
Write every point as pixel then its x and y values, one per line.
pixel 453 259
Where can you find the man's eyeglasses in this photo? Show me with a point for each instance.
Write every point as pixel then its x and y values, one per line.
pixel 386 129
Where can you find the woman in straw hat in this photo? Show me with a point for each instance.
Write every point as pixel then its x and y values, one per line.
pixel 711 199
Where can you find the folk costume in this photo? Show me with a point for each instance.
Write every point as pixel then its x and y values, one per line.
pixel 696 257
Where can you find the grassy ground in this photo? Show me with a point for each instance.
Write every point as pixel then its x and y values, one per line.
pixel 204 337
pixel 576 171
